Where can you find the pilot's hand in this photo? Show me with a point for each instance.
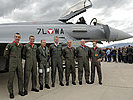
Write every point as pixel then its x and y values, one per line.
pixel 99 60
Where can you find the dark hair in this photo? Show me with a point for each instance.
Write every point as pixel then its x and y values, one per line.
pixel 42 40
pixel 56 37
pixel 31 36
pixel 17 33
pixel 95 41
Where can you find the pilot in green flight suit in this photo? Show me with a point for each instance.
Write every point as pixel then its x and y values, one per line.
pixel 83 54
pixel 43 62
pixel 29 53
pixel 69 55
pixel 96 55
pixel 56 61
pixel 13 52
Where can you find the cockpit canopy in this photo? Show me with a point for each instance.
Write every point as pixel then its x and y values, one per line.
pixel 75 10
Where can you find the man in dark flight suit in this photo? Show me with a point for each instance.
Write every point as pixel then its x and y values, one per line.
pixel 56 61
pixel 13 52
pixel 83 54
pixel 29 53
pixel 43 64
pixel 96 55
pixel 69 55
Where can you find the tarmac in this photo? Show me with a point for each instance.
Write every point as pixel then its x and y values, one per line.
pixel 117 85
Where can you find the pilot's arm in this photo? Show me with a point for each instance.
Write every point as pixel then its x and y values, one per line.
pixel 7 51
pixel 101 53
pixel 48 60
pixel 38 55
pixel 50 50
pixel 64 53
pixel 76 53
pixel 89 53
pixel 24 52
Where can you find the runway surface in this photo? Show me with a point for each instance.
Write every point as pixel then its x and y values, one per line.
pixel 117 85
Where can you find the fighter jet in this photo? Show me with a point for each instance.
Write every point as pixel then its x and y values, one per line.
pixel 62 28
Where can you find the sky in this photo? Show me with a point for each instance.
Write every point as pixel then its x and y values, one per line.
pixel 116 13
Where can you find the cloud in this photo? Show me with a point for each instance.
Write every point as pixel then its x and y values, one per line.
pixel 108 4
pixel 115 13
pixel 7 6
pixel 33 10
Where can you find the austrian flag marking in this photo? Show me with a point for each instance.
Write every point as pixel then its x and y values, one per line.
pixel 50 31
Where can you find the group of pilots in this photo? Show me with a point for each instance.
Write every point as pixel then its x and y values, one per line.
pixel 50 57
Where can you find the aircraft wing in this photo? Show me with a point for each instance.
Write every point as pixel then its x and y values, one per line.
pixel 75 10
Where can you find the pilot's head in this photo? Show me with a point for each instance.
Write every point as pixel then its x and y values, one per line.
pixel 69 43
pixel 32 39
pixel 43 43
pixel 94 43
pixel 81 19
pixel 56 39
pixel 17 37
pixel 82 42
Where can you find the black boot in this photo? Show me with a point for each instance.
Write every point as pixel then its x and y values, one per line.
pixel 21 93
pixel 80 82
pixel 61 84
pixel 25 92
pixel 35 90
pixel 41 87
pixel 47 86
pixel 88 82
pixel 100 83
pixel 67 83
pixel 11 95
pixel 73 83
pixel 53 85
pixel 91 82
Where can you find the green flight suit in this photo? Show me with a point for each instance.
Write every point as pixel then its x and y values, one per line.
pixel 69 55
pixel 95 55
pixel 43 62
pixel 29 54
pixel 56 61
pixel 83 55
pixel 14 54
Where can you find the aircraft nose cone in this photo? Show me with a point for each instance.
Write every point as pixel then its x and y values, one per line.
pixel 122 35
pixel 119 35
